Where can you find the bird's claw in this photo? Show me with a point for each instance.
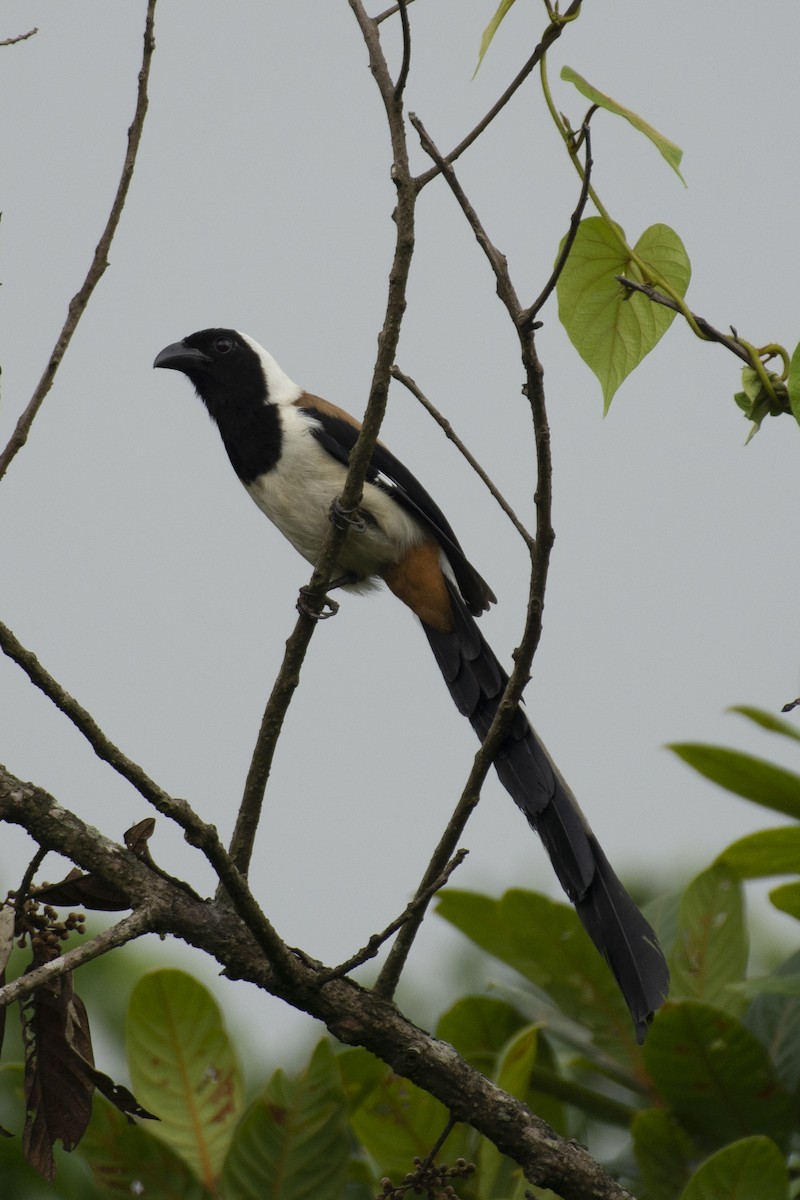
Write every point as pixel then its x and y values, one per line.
pixel 347 518
pixel 304 605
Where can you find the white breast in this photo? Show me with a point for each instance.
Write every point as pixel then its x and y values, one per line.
pixel 297 495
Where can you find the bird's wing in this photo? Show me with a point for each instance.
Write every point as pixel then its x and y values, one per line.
pixel 337 432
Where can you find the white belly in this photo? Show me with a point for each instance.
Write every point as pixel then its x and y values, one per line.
pixel 297 495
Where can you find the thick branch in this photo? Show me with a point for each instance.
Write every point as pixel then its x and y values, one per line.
pixel 78 303
pixel 353 1015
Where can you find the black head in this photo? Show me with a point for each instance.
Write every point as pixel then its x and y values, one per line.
pixel 224 366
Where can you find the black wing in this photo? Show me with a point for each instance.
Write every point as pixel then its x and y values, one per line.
pixel 387 472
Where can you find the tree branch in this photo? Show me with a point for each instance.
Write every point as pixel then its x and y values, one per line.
pixel 134 926
pixel 449 432
pixel 247 820
pixel 352 1014
pixel 79 302
pixel 377 940
pixel 20 37
pixel 530 314
pixel 197 832
pixel 540 558
pixel 712 334
pixel 550 35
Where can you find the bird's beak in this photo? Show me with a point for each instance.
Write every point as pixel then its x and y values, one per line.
pixel 179 357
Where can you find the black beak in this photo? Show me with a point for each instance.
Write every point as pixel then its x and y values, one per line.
pixel 179 357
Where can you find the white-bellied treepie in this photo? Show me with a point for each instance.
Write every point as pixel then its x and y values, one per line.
pixel 291 450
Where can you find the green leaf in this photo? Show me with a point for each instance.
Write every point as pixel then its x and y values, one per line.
pixel 491 30
pixel 768 852
pixel 479 1027
pixel 360 1073
pixel 793 383
pixel 715 1077
pixel 774 1018
pixel 766 720
pixel 128 1160
pixel 667 149
pixel 398 1121
pixel 293 1142
pixel 752 1169
pixel 545 942
pixel 613 330
pixel 183 1067
pixel 754 778
pixel 664 1153
pixel 786 898
pixel 710 950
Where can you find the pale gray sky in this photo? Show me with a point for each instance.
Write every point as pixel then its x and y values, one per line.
pixel 135 565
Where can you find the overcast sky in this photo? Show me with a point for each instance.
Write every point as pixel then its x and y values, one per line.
pixel 137 568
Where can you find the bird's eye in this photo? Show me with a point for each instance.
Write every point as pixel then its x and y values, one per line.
pixel 224 345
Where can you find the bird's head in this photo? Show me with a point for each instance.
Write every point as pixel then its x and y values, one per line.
pixel 228 369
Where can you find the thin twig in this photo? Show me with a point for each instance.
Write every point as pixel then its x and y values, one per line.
pixel 436 1147
pixel 712 334
pixel 530 314
pixel 27 880
pixel 449 432
pixel 399 87
pixel 79 302
pixel 197 832
pixel 20 37
pixel 134 926
pixel 378 939
pixel 550 35
pixel 247 820
pixel 540 558
pixel 390 12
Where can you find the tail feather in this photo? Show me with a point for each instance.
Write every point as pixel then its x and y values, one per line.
pixel 476 682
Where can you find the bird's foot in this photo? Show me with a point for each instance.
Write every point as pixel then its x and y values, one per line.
pixel 347 518
pixel 307 602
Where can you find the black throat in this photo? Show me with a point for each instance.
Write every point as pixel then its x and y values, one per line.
pixel 235 392
pixel 251 431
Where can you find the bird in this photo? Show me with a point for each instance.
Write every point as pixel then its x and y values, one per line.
pixel 290 449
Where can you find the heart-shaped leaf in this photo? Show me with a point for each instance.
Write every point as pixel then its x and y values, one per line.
pixel 611 329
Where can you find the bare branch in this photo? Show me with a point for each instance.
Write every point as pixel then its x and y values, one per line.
pixel 241 847
pixel 390 12
pixel 540 559
pixel 20 37
pixel 377 940
pixel 197 832
pixel 550 35
pixel 79 302
pixel 352 1014
pixel 449 432
pixel 134 926
pixel 400 86
pixel 505 288
pixel 530 314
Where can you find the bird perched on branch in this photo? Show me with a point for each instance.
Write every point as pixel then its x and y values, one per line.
pixel 291 451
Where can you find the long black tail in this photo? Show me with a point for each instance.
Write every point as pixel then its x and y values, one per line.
pixel 619 931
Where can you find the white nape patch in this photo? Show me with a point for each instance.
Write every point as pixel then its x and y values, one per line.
pixel 280 388
pixel 297 493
